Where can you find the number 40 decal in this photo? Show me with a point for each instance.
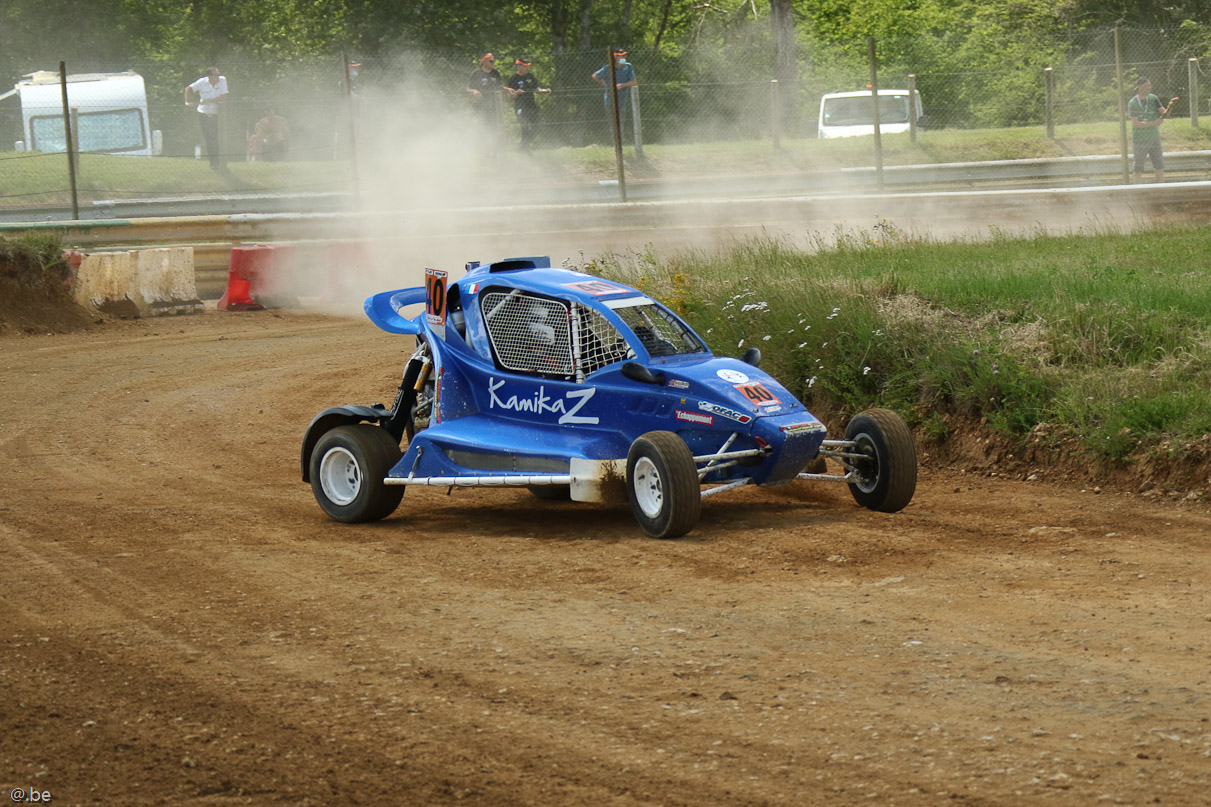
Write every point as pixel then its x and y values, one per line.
pixel 757 394
pixel 435 296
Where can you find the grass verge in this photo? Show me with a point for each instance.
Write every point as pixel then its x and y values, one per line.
pixel 1106 334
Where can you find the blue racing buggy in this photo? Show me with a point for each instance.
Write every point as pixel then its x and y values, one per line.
pixel 576 387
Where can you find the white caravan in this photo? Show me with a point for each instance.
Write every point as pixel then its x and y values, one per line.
pixel 110 109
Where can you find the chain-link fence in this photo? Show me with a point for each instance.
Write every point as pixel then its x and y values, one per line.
pixel 298 128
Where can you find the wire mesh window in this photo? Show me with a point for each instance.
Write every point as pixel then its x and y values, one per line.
pixel 660 333
pixel 600 344
pixel 529 333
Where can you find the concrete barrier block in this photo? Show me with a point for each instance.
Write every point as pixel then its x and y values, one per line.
pixel 106 281
pixel 143 283
pixel 166 283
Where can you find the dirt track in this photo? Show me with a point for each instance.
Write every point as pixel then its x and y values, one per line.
pixel 180 625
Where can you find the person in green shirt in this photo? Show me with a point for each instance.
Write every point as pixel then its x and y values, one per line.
pixel 1147 115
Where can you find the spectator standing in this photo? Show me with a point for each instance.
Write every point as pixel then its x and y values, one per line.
pixel 484 86
pixel 624 75
pixel 211 90
pixel 1147 115
pixel 522 86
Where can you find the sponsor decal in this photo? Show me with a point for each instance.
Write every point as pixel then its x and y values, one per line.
pixel 540 403
pixel 700 418
pixel 757 394
pixel 724 412
pixel 732 376
pixel 677 383
pixel 772 409
pixel 803 428
pixel 595 287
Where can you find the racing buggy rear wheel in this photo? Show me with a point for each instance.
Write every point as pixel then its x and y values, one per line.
pixel 887 475
pixel 348 466
pixel 662 485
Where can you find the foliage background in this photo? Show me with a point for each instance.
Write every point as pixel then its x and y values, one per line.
pixel 977 64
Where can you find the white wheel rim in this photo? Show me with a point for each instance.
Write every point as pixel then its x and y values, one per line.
pixel 649 494
pixel 340 476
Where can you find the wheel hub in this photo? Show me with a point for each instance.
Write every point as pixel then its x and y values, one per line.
pixel 340 476
pixel 649 494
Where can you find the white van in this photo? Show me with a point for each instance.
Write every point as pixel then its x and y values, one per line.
pixel 111 109
pixel 850 114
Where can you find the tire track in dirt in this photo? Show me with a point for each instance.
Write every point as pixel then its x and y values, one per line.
pixel 166 576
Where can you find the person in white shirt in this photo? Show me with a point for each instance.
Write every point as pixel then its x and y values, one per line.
pixel 211 90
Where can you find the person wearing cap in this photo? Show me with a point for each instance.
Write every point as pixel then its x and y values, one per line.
pixel 624 75
pixel 522 86
pixel 1147 115
pixel 483 86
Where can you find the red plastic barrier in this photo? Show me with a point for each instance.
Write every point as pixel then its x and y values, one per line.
pixel 259 275
pixel 244 266
pixel 274 285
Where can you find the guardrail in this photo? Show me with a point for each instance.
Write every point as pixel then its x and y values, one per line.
pixel 1107 168
pixel 605 227
pixel 1043 172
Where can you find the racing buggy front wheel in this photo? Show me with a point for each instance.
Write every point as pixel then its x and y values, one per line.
pixel 662 485
pixel 348 466
pixel 886 475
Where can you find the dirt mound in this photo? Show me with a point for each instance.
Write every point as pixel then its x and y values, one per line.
pixel 27 310
pixel 1055 453
pixel 35 291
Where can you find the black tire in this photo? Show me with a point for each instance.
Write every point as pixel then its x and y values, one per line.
pixel 348 466
pixel 887 478
pixel 662 485
pixel 552 493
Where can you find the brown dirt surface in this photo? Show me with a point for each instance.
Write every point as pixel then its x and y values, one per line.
pixel 43 306
pixel 179 623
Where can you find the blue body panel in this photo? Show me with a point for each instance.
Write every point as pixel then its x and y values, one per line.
pixel 489 421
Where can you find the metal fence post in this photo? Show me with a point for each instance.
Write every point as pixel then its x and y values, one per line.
pixel 874 96
pixel 1049 103
pixel 912 107
pixel 67 140
pixel 775 114
pixel 636 122
pixel 622 178
pixel 1122 104
pixel 1192 71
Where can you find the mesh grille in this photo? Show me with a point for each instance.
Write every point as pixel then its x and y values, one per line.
pixel 600 343
pixel 529 334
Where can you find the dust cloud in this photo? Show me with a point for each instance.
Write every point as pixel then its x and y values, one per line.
pixel 438 187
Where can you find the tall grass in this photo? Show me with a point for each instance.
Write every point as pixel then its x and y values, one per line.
pixel 1106 332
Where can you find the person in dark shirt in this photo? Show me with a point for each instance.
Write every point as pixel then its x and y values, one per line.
pixel 483 86
pixel 522 86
